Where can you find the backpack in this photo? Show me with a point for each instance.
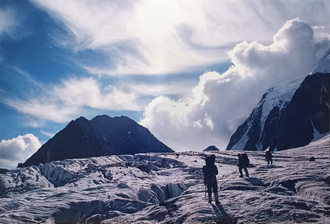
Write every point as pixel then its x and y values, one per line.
pixel 210 171
pixel 268 155
pixel 245 160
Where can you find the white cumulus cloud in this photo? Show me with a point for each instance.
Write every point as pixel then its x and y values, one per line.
pixel 221 102
pixel 17 150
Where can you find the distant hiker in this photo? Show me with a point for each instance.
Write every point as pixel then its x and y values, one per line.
pixel 269 157
pixel 210 179
pixel 243 163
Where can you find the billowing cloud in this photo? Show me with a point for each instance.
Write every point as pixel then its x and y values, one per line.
pixel 166 36
pixel 221 102
pixel 17 150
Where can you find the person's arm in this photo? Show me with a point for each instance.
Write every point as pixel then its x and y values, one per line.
pixel 215 170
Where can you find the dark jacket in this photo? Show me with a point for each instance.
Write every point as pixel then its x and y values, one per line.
pixel 210 172
pixel 268 155
pixel 243 161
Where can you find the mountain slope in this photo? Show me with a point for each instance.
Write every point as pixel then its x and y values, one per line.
pixel 101 136
pixel 307 115
pixel 288 116
pixel 251 134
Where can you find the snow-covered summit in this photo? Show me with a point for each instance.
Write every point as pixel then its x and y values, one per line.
pixel 323 66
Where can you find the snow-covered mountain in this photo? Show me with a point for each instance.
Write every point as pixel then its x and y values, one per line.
pixel 288 115
pixel 252 134
pixel 100 136
pixel 165 188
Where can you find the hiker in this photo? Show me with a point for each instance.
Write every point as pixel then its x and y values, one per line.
pixel 243 163
pixel 210 179
pixel 269 157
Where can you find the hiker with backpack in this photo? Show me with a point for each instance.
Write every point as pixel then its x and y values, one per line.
pixel 243 163
pixel 210 180
pixel 269 158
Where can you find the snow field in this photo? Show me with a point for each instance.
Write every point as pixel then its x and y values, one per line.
pixel 164 188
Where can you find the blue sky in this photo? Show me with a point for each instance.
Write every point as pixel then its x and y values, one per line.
pixel 190 71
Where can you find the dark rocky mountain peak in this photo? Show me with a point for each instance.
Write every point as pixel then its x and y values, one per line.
pixel 211 148
pixel 100 136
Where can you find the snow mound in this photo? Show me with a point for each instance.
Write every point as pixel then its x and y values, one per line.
pixel 19 181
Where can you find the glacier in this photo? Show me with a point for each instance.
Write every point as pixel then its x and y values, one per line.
pixel 167 188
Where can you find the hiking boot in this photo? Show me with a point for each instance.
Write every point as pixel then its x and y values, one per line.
pixel 240 176
pixel 210 198
pixel 216 197
pixel 217 202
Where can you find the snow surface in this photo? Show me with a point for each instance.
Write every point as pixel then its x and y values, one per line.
pixel 161 188
pixel 323 66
